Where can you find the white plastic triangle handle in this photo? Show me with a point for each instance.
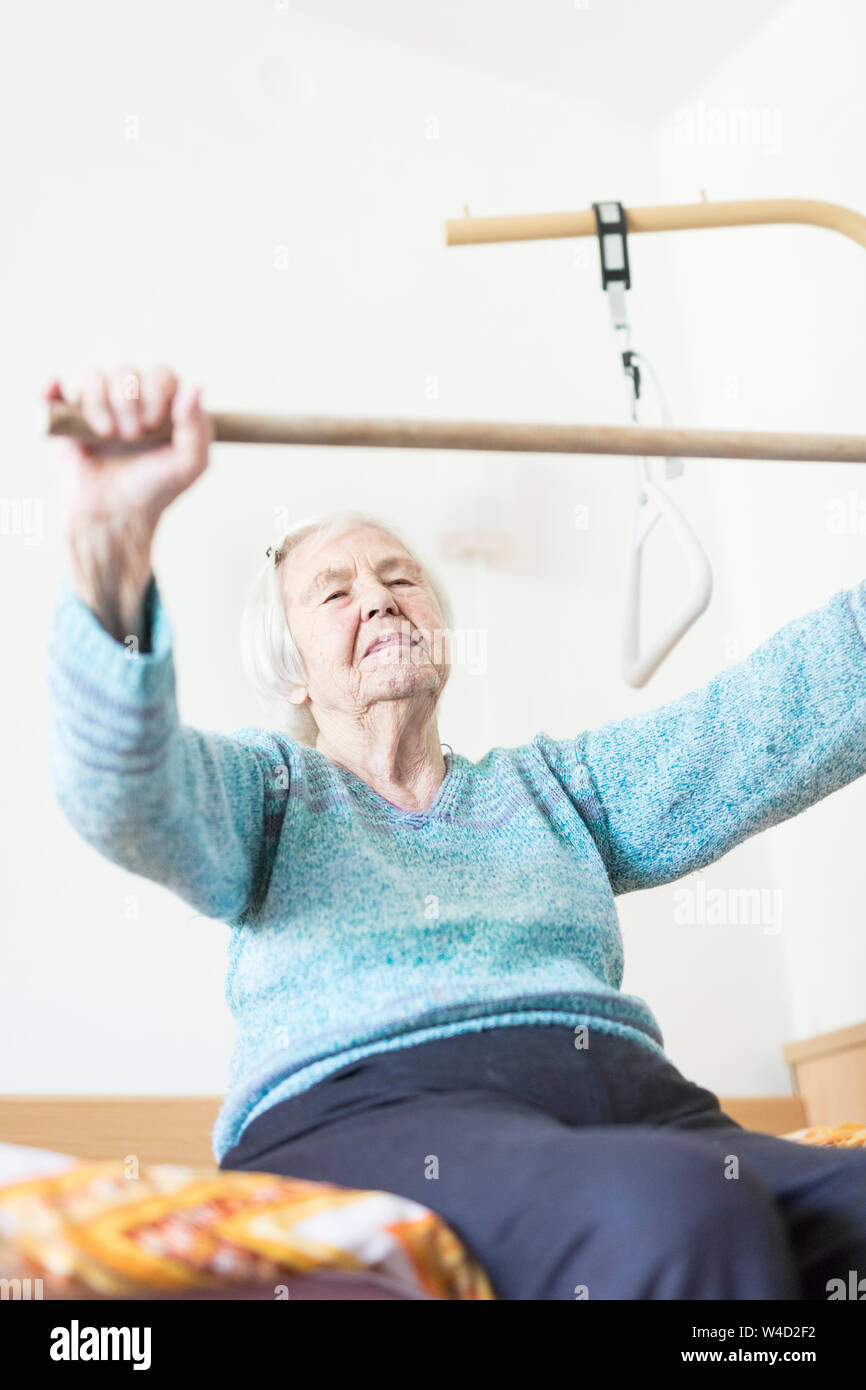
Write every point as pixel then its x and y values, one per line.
pixel 653 503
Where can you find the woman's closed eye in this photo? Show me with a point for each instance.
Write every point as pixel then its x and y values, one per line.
pixel 339 593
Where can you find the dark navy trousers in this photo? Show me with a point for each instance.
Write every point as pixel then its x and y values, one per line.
pixel 595 1172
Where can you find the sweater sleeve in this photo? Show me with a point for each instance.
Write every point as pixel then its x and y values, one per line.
pixel 196 811
pixel 670 791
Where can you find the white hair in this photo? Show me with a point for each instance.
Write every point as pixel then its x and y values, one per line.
pixel 271 660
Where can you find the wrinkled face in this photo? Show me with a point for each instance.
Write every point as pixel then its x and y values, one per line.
pixel 365 620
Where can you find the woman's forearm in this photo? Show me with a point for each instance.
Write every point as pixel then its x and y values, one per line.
pixel 112 503
pixel 110 569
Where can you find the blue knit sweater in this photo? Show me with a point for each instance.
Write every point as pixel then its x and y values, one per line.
pixel 358 927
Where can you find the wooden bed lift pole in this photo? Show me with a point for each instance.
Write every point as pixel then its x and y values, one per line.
pixel 468 230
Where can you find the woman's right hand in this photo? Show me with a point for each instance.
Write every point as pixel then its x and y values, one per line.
pixel 118 406
pixel 112 504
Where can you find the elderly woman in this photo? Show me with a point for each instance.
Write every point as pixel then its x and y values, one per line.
pixel 425 960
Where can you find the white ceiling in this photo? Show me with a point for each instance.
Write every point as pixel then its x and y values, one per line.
pixel 642 57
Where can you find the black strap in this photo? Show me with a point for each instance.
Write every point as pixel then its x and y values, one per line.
pixel 610 225
pixel 613 253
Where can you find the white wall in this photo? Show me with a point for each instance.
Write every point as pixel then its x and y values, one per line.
pixel 271 226
pixel 776 318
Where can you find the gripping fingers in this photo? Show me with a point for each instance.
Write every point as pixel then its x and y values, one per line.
pixel 158 386
pixel 192 431
pixel 124 391
pixel 95 404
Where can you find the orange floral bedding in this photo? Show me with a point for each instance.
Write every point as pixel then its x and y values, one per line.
pixel 92 1231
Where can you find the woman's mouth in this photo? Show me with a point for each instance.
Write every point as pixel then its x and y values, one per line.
pixel 393 639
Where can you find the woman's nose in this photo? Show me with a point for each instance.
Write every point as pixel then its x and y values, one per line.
pixel 387 605
pixel 376 597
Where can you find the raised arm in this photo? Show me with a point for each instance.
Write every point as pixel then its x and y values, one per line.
pixel 197 811
pixel 672 790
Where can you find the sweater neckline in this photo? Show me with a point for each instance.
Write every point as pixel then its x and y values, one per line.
pixel 443 799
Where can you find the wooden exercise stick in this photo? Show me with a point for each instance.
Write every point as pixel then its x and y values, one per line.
pixel 498 436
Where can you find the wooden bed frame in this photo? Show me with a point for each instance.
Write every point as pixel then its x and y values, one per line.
pixel 176 1129
pixel 828 1075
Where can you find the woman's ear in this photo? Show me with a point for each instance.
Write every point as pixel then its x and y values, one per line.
pixel 298 694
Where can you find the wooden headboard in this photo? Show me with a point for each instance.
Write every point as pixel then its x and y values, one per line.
pixel 829 1072
pixel 176 1129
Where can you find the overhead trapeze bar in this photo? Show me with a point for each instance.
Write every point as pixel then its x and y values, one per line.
pixel 463 231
